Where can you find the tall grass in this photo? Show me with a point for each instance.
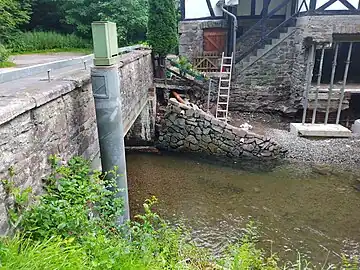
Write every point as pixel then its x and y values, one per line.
pixel 45 41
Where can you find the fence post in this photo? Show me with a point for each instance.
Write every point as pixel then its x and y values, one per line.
pixel 106 92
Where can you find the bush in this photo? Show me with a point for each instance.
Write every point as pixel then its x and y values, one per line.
pixel 4 54
pixel 39 41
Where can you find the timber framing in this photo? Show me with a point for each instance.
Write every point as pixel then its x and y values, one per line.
pixel 314 9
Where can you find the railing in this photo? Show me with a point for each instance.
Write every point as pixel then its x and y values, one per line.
pixel 263 39
pixel 20 73
pixel 261 24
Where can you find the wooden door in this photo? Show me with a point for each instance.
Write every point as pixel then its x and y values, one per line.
pixel 215 40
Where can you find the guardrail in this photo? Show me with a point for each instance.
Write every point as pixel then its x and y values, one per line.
pixel 20 73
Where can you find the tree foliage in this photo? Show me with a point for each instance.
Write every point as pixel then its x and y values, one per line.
pixel 162 26
pixel 13 13
pixel 129 15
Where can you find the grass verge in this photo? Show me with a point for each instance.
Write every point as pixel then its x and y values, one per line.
pixel 84 51
pixel 7 64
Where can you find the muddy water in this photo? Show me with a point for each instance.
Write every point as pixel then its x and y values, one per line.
pixel 315 214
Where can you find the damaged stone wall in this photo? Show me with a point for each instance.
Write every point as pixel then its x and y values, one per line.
pixel 186 128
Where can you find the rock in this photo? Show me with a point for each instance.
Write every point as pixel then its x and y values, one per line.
pixel 180 122
pixel 181 142
pixel 194 147
pixel 248 147
pixel 212 147
pixel 228 135
pixel 235 152
pixel 239 132
pixel 197 130
pixel 191 139
pixel 189 113
pixel 266 154
pixel 206 138
pixel 206 131
pixel 218 129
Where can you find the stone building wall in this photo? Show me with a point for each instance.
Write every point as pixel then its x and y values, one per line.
pixel 266 85
pixel 191 40
pixel 322 28
pixel 245 24
pixel 189 129
pixel 58 117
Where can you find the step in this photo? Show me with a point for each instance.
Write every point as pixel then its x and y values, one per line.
pixel 253 58
pixel 260 52
pixel 290 29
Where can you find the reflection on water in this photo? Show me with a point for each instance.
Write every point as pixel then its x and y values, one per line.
pixel 316 214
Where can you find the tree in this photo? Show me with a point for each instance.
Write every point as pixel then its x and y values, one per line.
pixel 162 26
pixel 13 13
pixel 129 15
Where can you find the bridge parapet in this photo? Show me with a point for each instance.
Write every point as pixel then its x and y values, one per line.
pixel 40 117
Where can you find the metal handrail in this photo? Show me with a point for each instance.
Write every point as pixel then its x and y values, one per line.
pixel 262 20
pixel 263 39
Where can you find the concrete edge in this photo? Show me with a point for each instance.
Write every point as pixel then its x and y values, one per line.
pixel 130 57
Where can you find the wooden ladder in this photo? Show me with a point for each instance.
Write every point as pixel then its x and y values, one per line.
pixel 222 106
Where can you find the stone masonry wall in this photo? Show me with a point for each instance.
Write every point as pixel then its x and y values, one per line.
pixel 189 129
pixel 250 40
pixel 58 117
pixel 322 28
pixel 191 40
pixel 277 81
pixel 266 85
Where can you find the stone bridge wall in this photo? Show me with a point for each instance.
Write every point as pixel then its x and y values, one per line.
pixel 58 117
pixel 188 129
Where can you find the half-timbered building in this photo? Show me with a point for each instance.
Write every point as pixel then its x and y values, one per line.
pixel 282 48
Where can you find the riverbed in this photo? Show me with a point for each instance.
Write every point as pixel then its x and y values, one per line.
pixel 295 208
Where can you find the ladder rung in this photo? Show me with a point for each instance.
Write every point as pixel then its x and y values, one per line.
pixel 222 103
pixel 223 95
pixel 221 118
pixel 226 65
pixel 227 57
pixel 221 110
pixel 223 87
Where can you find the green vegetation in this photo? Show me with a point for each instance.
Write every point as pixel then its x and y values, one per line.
pixel 63 25
pixel 162 26
pixel 46 41
pixel 73 226
pixel 7 64
pixel 13 14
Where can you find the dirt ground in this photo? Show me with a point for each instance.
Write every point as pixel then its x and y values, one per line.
pixel 260 122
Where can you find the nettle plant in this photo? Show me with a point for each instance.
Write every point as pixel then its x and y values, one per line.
pixel 77 202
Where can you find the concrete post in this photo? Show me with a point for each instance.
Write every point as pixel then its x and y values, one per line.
pixel 106 92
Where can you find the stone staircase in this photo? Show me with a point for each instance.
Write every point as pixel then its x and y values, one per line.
pixel 262 51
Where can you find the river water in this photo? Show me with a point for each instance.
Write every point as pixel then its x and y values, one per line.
pixel 316 214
